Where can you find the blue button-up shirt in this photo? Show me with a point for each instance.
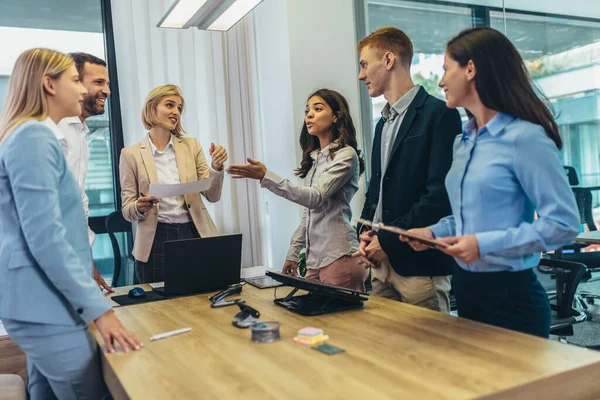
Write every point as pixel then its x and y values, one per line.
pixel 499 178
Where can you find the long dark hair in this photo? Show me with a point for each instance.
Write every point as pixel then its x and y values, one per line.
pixel 343 132
pixel 502 80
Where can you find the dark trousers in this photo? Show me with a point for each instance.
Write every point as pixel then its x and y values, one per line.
pixel 511 300
pixel 154 269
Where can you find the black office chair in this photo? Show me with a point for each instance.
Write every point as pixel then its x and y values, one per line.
pixel 583 196
pixel 567 276
pixel 116 223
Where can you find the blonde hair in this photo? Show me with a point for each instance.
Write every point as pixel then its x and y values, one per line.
pixel 149 118
pixel 26 97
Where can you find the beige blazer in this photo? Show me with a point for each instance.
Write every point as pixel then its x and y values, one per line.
pixel 138 171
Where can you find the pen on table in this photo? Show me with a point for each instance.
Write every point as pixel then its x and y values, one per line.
pixel 169 334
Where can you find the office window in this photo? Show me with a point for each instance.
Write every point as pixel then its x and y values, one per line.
pixel 69 26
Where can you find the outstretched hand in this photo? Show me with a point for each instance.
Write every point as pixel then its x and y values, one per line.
pixel 253 170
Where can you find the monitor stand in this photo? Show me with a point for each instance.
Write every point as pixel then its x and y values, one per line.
pixel 316 303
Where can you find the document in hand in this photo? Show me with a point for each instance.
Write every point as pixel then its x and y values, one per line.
pixel 160 190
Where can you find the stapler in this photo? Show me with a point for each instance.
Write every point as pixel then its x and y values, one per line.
pixel 218 300
pixel 247 316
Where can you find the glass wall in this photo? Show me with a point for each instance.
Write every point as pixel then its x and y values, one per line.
pixel 561 52
pixel 67 26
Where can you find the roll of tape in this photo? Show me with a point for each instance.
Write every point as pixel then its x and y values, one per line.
pixel 265 332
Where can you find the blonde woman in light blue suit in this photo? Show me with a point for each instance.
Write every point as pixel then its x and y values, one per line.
pixel 47 292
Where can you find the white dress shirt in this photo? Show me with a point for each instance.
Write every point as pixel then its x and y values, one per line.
pixel 171 210
pixel 71 133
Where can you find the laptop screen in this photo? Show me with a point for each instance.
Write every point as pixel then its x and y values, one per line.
pixel 202 265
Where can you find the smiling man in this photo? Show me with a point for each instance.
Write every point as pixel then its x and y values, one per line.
pixel 94 77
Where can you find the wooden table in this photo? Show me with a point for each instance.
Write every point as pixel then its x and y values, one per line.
pixel 12 358
pixel 591 237
pixel 393 351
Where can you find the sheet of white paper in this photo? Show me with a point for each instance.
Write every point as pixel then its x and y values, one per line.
pixel 160 190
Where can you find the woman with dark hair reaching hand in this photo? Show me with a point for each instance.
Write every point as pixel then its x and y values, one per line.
pixel 331 165
pixel 506 167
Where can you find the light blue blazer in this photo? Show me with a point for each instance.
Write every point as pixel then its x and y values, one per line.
pixel 46 273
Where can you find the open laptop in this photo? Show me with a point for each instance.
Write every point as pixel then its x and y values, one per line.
pixel 201 265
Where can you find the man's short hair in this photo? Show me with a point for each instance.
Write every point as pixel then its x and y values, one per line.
pixel 82 58
pixel 390 39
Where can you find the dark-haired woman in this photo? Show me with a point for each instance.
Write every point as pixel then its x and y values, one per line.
pixel 506 167
pixel 331 165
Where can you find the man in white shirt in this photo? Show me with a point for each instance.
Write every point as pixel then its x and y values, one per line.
pixel 94 76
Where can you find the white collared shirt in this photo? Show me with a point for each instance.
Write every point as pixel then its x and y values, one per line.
pixel 71 133
pixel 171 210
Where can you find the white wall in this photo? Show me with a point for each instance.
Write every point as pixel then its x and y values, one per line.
pixel 303 45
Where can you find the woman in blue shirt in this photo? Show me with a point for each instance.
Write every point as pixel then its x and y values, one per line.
pixel 506 168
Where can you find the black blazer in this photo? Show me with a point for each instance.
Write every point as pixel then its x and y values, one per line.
pixel 414 193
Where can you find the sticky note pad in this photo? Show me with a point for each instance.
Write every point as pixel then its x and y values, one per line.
pixel 310 331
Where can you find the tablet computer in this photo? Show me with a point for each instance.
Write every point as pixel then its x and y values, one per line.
pixel 433 243
pixel 262 282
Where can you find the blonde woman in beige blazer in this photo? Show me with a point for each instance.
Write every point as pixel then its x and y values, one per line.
pixel 165 156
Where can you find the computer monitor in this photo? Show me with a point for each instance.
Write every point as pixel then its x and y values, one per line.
pixel 202 265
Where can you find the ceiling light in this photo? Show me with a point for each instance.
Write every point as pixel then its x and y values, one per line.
pixel 215 15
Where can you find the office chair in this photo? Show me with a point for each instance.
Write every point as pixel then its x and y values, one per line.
pixel 567 276
pixel 583 197
pixel 116 223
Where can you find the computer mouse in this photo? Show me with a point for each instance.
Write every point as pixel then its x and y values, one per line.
pixel 136 293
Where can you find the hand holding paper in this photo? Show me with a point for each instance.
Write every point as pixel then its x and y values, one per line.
pixel 166 190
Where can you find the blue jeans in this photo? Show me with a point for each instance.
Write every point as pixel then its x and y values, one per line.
pixel 63 362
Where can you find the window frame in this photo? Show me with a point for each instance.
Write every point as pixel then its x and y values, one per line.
pixel 97 223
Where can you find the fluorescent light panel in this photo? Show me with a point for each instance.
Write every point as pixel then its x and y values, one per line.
pixel 233 14
pixel 183 11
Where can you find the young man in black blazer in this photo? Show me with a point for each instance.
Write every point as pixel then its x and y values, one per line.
pixel 412 152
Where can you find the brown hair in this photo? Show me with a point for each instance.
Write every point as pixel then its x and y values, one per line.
pixel 343 132
pixel 390 39
pixel 502 80
pixel 152 101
